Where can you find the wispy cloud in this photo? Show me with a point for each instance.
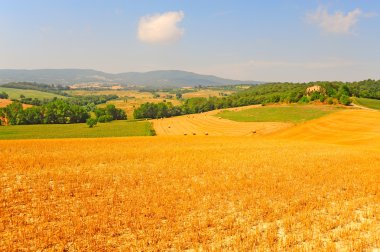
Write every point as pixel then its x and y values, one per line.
pixel 45 29
pixel 338 22
pixel 161 28
pixel 285 70
pixel 327 63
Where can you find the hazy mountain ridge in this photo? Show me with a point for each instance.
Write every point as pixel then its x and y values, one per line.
pixel 161 78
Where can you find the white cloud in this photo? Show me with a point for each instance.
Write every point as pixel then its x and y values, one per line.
pixel 161 28
pixel 338 22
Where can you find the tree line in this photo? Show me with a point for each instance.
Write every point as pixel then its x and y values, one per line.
pixel 331 92
pixel 56 112
pixel 91 100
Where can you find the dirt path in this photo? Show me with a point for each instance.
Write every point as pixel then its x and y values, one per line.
pixel 361 107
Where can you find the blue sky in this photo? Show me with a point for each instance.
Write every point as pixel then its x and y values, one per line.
pixel 270 40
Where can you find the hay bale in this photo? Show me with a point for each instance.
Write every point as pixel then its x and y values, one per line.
pixel 185 134
pixel 206 133
pixel 194 133
pixel 253 131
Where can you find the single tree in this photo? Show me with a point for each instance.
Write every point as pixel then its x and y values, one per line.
pixel 91 122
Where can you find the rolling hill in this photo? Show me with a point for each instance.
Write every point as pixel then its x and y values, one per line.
pixel 162 78
pixel 15 93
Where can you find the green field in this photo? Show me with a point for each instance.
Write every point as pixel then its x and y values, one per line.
pixel 292 113
pixel 369 103
pixel 15 93
pixel 80 130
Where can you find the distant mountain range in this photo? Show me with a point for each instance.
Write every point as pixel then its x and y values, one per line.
pixel 162 78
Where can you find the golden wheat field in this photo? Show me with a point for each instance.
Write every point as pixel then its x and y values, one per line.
pixel 280 192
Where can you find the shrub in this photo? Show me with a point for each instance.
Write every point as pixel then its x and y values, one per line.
pixel 304 99
pixel 315 96
pixel 91 122
pixel 105 118
pixel 3 95
pixel 345 100
pixel 152 132
pixel 330 101
pixel 322 98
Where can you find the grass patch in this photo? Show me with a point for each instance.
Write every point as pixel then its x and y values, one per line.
pixel 292 113
pixel 15 93
pixel 80 130
pixel 369 103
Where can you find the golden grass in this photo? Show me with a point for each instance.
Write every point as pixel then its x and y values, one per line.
pixel 181 193
pixel 349 127
pixel 206 93
pixel 205 192
pixel 6 102
pixel 206 123
pixel 120 93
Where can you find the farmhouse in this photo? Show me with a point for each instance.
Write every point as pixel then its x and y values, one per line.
pixel 315 88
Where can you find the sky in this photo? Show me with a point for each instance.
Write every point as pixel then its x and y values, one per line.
pixel 272 40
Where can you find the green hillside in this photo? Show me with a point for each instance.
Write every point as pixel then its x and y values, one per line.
pixel 369 103
pixel 15 93
pixel 291 113
pixel 79 130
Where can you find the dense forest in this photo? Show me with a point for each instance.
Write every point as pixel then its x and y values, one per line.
pixel 330 93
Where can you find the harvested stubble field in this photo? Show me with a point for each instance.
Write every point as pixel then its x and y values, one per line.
pixel 194 192
pixel 208 123
pixel 349 127
pixel 206 93
pixel 6 102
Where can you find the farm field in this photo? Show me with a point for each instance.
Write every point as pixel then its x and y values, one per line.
pixel 133 103
pixel 369 103
pixel 122 93
pixel 309 186
pixel 207 124
pixel 6 102
pixel 206 93
pixel 348 127
pixel 253 120
pixel 278 113
pixel 79 130
pixel 178 193
pixel 133 98
pixel 15 93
